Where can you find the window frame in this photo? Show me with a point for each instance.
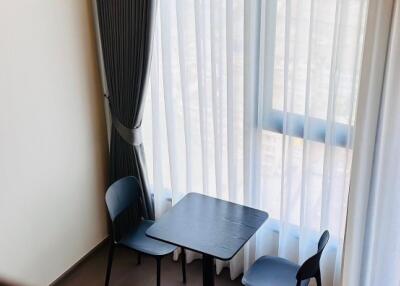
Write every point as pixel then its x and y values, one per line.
pixel 290 123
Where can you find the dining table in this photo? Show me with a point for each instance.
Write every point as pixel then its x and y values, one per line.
pixel 216 228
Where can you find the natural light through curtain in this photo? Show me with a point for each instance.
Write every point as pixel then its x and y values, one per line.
pixel 253 102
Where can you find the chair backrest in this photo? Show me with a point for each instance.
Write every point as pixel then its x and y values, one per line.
pixel 310 268
pixel 123 204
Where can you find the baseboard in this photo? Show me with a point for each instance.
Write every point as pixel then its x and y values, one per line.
pixel 76 264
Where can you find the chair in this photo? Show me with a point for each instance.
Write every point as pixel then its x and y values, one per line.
pixel 129 229
pixel 277 271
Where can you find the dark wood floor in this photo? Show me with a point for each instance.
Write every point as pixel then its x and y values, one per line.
pixel 125 271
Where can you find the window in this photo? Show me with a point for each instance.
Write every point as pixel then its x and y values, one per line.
pixel 284 147
pixel 310 78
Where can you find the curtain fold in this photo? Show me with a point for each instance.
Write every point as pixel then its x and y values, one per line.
pixel 126 30
pixel 372 250
pixel 253 102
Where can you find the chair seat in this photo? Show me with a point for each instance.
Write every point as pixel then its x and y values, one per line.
pixel 138 240
pixel 272 271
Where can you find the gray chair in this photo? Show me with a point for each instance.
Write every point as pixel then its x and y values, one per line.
pixel 129 229
pixel 276 271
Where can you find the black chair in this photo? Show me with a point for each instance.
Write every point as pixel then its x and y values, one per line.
pixel 277 271
pixel 129 229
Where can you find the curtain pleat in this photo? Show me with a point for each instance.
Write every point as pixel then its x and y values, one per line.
pixel 199 9
pixel 185 92
pixel 126 32
pixel 170 109
pixel 305 199
pixel 230 106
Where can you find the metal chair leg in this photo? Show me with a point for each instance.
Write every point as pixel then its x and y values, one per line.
pixel 183 265
pixel 109 264
pixel 318 278
pixel 158 258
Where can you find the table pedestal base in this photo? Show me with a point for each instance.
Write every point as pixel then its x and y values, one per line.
pixel 208 270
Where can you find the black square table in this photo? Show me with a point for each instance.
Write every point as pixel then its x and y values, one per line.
pixel 213 227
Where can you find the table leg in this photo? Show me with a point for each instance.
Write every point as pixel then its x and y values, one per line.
pixel 208 270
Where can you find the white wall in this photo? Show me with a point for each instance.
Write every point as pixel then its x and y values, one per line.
pixel 53 140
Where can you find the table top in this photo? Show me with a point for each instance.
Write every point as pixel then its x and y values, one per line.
pixel 208 225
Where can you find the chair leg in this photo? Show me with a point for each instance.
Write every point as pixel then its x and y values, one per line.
pixel 183 265
pixel 139 258
pixel 109 264
pixel 318 278
pixel 158 270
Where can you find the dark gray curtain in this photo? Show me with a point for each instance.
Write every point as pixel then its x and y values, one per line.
pixel 126 28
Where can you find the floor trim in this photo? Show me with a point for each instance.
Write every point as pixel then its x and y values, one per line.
pixel 76 264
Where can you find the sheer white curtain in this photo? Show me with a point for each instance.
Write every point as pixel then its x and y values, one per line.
pixel 372 244
pixel 253 102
